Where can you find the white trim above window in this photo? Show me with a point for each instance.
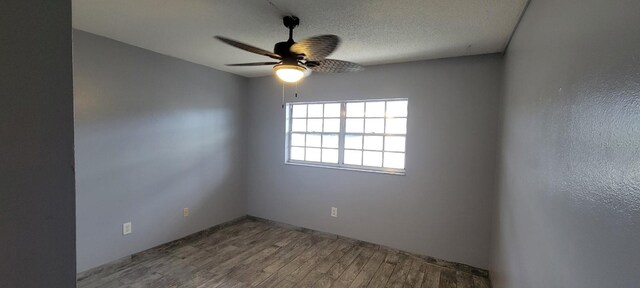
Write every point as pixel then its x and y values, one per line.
pixel 362 135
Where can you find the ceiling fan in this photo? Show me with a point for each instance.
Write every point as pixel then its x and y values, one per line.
pixel 298 59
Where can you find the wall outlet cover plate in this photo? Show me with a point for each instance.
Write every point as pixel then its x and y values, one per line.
pixel 126 228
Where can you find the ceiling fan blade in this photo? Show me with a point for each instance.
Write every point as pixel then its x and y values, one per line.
pixel 317 47
pixel 248 47
pixel 336 66
pixel 253 64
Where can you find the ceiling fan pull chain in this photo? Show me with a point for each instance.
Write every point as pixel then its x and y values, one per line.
pixel 282 94
pixel 296 89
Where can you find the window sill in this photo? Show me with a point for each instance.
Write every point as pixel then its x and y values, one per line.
pixel 388 172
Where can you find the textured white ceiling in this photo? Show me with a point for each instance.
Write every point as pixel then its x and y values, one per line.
pixel 372 31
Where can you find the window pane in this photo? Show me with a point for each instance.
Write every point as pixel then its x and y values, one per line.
pixel 299 125
pixel 314 110
pixel 353 141
pixel 313 154
pixel 313 140
pixel 330 141
pixel 373 142
pixel 375 109
pixel 332 110
pixel 371 158
pixel 374 125
pixel 297 139
pixel 397 109
pixel 353 157
pixel 354 125
pixel 330 155
pixel 314 125
pixel 394 160
pixel 297 153
pixel 394 143
pixel 355 109
pixel 397 126
pixel 317 131
pixel 332 125
pixel 299 111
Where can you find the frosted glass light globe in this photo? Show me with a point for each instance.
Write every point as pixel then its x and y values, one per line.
pixel 289 73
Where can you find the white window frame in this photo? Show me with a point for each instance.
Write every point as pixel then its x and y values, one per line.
pixel 341 139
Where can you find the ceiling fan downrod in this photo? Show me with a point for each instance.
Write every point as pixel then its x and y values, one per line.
pixel 291 22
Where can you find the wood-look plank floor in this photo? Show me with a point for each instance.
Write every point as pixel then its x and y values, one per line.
pixel 257 254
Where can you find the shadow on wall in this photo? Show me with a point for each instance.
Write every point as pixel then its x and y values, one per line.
pixel 154 135
pixel 145 170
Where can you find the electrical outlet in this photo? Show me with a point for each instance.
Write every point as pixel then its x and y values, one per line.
pixel 334 212
pixel 185 212
pixel 126 228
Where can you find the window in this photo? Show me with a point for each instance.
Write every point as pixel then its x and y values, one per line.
pixel 363 135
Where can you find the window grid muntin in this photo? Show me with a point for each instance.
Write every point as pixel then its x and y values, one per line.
pixel 384 130
pixel 322 133
pixel 341 140
pixel 384 135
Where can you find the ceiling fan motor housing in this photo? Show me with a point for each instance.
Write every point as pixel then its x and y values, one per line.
pixel 283 49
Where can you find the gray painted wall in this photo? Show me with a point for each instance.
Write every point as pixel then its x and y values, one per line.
pixel 37 233
pixel 154 135
pixel 442 207
pixel 569 203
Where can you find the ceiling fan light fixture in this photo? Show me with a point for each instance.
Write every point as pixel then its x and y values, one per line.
pixel 290 73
